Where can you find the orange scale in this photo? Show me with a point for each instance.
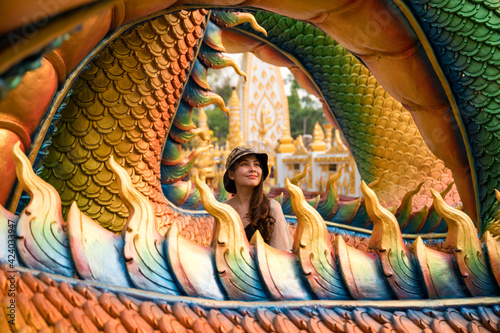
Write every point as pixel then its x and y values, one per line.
pixel 127 123
pixel 139 112
pixel 141 147
pixel 190 40
pixel 177 31
pixel 78 154
pixel 171 19
pixel 144 124
pixel 123 148
pixel 133 161
pixel 155 47
pixel 115 137
pixel 417 161
pixel 102 153
pixel 64 141
pixel 400 168
pixel 190 54
pixel 187 25
pixel 145 89
pixel 106 125
pixel 138 76
pixel 159 95
pixel 93 190
pixel 125 85
pixel 149 135
pixel 84 98
pixel 94 211
pixel 394 146
pixel 391 165
pixel 439 164
pixel 406 158
pixel 159 26
pixel 175 69
pixel 68 196
pixel 156 115
pixel 445 178
pixel 388 152
pixel 134 136
pixel 410 171
pixel 149 101
pixel 167 41
pixel 151 70
pixel 92 140
pixel 156 83
pixel 161 63
pixel 146 33
pixel 435 174
pixel 104 178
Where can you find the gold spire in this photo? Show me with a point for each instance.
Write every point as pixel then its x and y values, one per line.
pixel 286 142
pixel 328 131
pixel 234 121
pixel 338 145
pixel 318 136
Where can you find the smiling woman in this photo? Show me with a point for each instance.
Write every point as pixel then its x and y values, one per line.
pixel 244 177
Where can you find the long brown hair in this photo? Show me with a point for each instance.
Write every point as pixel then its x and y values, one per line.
pixel 259 210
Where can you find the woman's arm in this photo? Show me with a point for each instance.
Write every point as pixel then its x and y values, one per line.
pixel 281 238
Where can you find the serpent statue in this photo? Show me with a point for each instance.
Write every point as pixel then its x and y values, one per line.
pixel 98 221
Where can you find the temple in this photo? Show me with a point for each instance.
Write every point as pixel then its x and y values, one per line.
pixel 260 119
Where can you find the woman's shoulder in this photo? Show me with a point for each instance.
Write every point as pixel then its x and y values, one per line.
pixel 273 204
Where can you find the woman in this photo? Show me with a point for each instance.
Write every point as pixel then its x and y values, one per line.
pixel 245 173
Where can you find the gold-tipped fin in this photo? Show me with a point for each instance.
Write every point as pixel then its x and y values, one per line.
pixel 295 180
pixel 313 247
pixel 227 216
pixel 237 69
pixel 217 99
pixel 24 171
pixel 309 220
pixel 461 229
pixel 247 17
pixel 131 197
pixel 466 247
pixel 385 223
pixel 377 181
pixel 336 176
pixel 395 258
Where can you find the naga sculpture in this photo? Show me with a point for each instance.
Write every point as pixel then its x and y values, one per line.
pixel 96 102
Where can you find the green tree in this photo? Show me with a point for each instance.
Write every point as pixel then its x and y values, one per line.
pixel 302 111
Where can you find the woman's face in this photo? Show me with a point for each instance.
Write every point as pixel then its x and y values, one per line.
pixel 247 172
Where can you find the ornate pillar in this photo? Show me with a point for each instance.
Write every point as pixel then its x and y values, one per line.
pixel 234 121
pixel 328 131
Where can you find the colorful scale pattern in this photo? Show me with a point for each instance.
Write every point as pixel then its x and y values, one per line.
pixel 231 269
pixel 122 105
pixel 197 94
pixel 465 36
pixel 380 132
pixel 48 303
